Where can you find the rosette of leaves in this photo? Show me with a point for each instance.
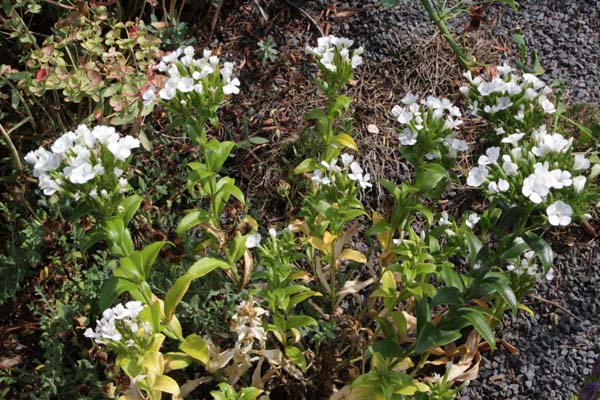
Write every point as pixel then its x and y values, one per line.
pixel 97 61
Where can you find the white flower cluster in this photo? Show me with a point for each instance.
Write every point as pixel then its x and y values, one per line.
pixel 78 157
pixel 330 46
pixel 506 90
pixel 536 166
pixel 433 119
pixel 527 265
pixel 186 74
pixel 118 323
pixel 352 168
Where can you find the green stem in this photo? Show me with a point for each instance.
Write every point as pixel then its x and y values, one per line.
pixel 441 24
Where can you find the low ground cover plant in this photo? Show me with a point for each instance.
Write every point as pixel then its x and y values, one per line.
pixel 406 297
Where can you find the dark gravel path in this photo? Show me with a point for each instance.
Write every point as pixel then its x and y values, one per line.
pixel 565 33
pixel 557 351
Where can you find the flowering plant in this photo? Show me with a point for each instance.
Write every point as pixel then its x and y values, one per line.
pixel 509 100
pixel 429 129
pixel 86 166
pixel 538 171
pixel 193 86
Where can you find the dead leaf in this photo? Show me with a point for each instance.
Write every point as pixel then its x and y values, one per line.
pixel 352 288
pixel 10 363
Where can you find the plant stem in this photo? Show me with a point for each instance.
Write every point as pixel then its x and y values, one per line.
pixel 13 149
pixel 441 24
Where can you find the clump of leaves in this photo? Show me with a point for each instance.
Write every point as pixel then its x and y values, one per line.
pixel 96 61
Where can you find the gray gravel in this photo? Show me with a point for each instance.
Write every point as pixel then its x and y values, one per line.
pixel 565 33
pixel 557 351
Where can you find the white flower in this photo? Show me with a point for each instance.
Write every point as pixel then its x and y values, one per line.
pixel 546 105
pixel 273 232
pixel 490 157
pixel 509 167
pixel 595 171
pixel 559 213
pixel 231 87
pixel 514 138
pixel 357 175
pixel 63 143
pixel 444 219
pixel 560 179
pixel 472 220
pixel 122 148
pixel 105 134
pixel 331 167
pixel 48 185
pixel 149 96
pixel 43 161
pixel 185 84
pixel 118 172
pixel 80 174
pixel 537 185
pixel 550 274
pixel 505 69
pixel 347 159
pixel 581 163
pixel 498 187
pixel 253 240
pixel 408 137
pixel 93 193
pixel 551 143
pixel 454 145
pixel 319 178
pixel 530 94
pixel 477 176
pixel 579 183
pixel 409 99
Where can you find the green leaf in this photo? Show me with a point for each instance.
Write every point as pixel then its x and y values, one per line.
pixel 447 295
pixel 146 143
pixel 515 251
pixel 296 357
pixel 130 206
pixel 112 288
pixel 192 219
pixel 195 347
pixel 307 165
pixel 390 3
pixel 388 348
pixel 149 254
pixel 507 294
pixel 474 245
pixel 541 248
pixel 431 176
pixel 427 337
pixel 299 321
pixel 176 292
pixel 258 140
pixel 477 319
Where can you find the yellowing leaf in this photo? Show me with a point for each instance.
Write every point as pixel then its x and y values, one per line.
pixel 346 140
pixel 353 255
pixel 195 347
pixel 166 384
pixel 526 309
pixel 318 244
